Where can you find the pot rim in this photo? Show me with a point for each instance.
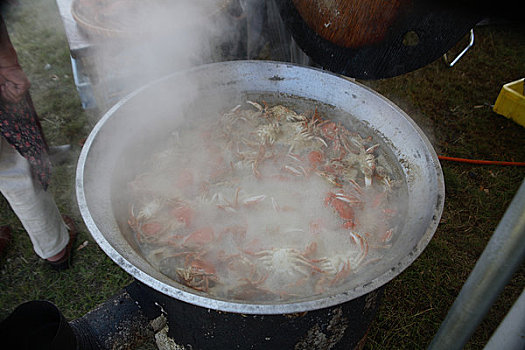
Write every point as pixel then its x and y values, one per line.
pixel 201 299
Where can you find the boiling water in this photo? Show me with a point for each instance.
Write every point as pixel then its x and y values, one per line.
pixel 264 204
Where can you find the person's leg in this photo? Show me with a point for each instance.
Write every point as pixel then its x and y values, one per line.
pixel 35 208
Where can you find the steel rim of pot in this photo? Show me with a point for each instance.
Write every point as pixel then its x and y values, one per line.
pixel 276 72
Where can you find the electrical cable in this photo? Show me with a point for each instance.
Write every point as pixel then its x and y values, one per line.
pixel 481 162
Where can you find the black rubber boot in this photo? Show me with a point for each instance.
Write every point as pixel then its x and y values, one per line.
pixel 37 325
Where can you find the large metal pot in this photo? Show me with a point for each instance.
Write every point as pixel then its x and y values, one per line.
pixel 130 130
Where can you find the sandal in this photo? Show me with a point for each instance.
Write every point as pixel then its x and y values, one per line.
pixel 65 262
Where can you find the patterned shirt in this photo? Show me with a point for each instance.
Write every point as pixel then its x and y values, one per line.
pixel 20 125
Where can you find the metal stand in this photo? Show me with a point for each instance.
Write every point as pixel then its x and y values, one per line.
pixel 83 84
pixel 500 259
pixel 510 334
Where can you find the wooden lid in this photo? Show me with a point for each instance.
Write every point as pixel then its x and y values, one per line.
pixel 350 23
pixel 374 39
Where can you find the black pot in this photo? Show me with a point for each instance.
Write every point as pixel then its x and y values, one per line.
pixel 338 327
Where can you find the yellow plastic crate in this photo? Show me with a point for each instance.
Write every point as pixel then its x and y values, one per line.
pixel 511 101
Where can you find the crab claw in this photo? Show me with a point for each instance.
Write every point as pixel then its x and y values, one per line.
pixel 256 105
pixel 200 237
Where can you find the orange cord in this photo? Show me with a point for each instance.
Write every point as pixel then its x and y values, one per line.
pixel 481 162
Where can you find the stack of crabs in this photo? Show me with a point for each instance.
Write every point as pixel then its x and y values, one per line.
pixel 264 203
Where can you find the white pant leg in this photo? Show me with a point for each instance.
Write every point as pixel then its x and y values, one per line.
pixel 35 208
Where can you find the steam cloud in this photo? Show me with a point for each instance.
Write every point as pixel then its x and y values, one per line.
pixel 160 37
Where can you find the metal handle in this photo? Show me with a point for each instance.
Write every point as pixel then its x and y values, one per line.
pixel 470 44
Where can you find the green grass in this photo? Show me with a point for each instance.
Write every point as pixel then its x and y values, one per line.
pixel 451 105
